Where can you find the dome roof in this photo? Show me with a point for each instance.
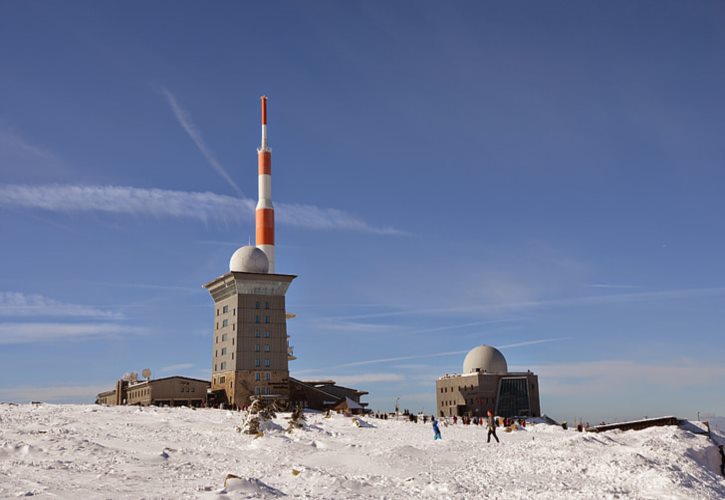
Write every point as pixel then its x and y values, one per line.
pixel 249 259
pixel 485 358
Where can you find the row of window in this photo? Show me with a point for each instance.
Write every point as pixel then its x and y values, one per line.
pixel 480 401
pixel 258 376
pixel 257 364
pixel 465 388
pixel 225 310
pixel 139 392
pixel 267 348
pixel 262 390
pixel 224 351
pixel 234 325
pixel 257 305
pixel 225 336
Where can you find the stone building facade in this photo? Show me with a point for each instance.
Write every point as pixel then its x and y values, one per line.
pixel 486 384
pixel 250 348
pixel 168 391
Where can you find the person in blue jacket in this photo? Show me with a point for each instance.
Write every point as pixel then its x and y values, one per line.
pixel 436 430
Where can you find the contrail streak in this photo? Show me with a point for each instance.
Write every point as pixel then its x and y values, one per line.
pixel 442 354
pixel 184 119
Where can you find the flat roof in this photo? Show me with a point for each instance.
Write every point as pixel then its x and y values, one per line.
pixel 168 378
pixel 263 276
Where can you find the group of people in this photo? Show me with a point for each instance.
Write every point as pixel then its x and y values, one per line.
pixel 491 422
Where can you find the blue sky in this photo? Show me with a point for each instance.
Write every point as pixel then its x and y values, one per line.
pixel 544 177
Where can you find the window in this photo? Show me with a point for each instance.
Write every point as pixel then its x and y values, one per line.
pixel 234 326
pixel 257 390
pixel 216 340
pixel 214 367
pixel 256 306
pixel 225 322
pixel 223 366
pixel 222 380
pixel 256 348
pixel 232 355
pixel 256 319
pixel 266 319
pixel 257 376
pixel 232 340
pixel 217 312
pixel 216 354
pixel 225 309
pixel 224 351
pixel 267 376
pixel 266 363
pixel 224 337
pixel 256 363
pixel 266 334
pixel 217 325
pixel 234 311
pixel 266 347
pixel 256 333
pixel 266 305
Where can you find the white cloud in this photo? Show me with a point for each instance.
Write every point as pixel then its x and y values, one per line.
pixel 12 144
pixel 202 206
pixel 354 326
pixel 612 377
pixel 369 378
pixel 437 354
pixel 614 286
pixel 177 367
pixel 20 304
pixel 23 333
pixel 78 393
pixel 508 307
pixel 184 119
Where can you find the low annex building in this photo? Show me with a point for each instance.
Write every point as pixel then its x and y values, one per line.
pixel 168 391
pixel 325 395
pixel 486 384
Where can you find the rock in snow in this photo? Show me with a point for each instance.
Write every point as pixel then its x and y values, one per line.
pixel 113 452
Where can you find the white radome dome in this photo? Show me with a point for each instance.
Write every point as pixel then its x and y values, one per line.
pixel 485 358
pixel 249 259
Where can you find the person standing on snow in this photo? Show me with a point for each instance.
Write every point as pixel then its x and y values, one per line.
pixel 436 430
pixel 491 428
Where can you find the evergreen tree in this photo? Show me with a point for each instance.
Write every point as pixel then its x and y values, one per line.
pixel 297 420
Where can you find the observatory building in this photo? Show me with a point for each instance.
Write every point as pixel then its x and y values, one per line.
pixel 486 384
pixel 250 347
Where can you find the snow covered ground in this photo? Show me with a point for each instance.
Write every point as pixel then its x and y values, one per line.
pixel 84 451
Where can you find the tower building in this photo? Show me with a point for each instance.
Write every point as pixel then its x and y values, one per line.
pixel 250 350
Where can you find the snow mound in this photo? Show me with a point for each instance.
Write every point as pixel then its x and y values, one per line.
pixel 59 450
pixel 248 488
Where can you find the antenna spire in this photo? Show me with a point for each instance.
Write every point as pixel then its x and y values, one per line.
pixel 264 147
pixel 265 209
